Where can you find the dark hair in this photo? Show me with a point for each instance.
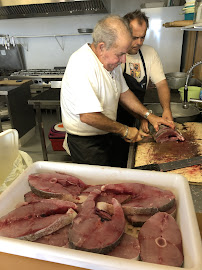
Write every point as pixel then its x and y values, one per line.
pixel 137 14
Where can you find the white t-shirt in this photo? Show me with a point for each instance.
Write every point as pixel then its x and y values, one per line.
pixel 88 87
pixel 154 68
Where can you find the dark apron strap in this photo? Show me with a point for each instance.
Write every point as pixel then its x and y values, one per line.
pixel 145 70
pixel 138 88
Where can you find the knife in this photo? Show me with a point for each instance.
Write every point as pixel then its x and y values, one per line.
pixel 173 165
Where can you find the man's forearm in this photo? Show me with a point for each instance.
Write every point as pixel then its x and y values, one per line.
pixel 100 121
pixel 164 94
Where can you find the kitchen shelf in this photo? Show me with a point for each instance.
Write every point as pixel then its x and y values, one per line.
pixel 44 36
pixel 193 27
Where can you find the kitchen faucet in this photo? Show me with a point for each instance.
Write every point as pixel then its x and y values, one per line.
pixel 185 103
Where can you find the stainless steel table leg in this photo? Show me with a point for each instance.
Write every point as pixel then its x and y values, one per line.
pixel 131 156
pixel 41 131
pixel 58 113
pixel 1 129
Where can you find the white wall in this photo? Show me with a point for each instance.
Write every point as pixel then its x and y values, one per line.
pixel 45 52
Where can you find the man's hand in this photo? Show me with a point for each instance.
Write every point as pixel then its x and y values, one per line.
pixel 156 121
pixel 135 135
pixel 144 125
pixel 167 115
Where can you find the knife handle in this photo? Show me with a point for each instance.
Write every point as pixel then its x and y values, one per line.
pixel 150 167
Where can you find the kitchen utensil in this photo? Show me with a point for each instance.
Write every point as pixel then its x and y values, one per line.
pixel 85 30
pixel 178 23
pixel 176 79
pixel 172 165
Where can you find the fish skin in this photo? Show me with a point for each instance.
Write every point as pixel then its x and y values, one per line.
pixel 157 135
pixel 90 233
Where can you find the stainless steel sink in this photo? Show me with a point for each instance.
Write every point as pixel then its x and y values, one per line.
pixel 195 82
pixel 180 115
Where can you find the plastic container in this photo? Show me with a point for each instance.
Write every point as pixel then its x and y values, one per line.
pixel 91 174
pixel 8 152
pixel 189 16
pixel 56 136
pixel 176 79
pixel 200 95
pixel 193 92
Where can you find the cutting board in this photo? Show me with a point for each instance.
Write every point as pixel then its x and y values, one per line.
pixel 148 151
pixel 13 82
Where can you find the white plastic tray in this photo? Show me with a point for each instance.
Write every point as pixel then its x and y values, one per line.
pixel 186 217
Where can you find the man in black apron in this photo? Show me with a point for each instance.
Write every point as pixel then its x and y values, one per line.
pixel 124 117
pixel 138 87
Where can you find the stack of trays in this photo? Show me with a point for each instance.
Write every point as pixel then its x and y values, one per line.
pixel 189 10
pixel 56 136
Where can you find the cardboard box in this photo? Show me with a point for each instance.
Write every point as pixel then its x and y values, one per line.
pixel 186 217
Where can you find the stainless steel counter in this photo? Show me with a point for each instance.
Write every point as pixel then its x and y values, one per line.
pixel 50 99
pixel 16 96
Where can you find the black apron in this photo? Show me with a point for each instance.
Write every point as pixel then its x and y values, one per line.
pixel 138 88
pixel 121 147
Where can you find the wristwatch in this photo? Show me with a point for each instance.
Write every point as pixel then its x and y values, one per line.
pixel 147 114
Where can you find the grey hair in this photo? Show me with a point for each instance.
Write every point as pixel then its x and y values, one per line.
pixel 106 30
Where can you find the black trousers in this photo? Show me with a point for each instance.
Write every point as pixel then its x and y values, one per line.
pixel 104 150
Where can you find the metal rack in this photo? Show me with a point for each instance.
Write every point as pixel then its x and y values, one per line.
pixel 8 41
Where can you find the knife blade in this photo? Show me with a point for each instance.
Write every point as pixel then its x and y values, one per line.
pixel 172 165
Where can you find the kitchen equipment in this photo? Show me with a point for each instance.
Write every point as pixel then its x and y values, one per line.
pixel 180 115
pixel 43 79
pixel 39 76
pixel 178 23
pixel 148 151
pixel 176 79
pixel 85 30
pixel 189 72
pixel 186 217
pixel 56 84
pixel 172 165
pixel 193 92
pixel 10 9
pixel 153 4
pixel 12 82
pixel 12 59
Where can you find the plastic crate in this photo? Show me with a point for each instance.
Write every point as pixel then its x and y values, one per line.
pixel 99 175
pixel 56 136
pixel 57 144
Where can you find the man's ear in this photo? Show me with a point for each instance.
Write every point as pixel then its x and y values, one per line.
pixel 101 47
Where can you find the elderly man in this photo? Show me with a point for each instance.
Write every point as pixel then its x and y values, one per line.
pixel 92 86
